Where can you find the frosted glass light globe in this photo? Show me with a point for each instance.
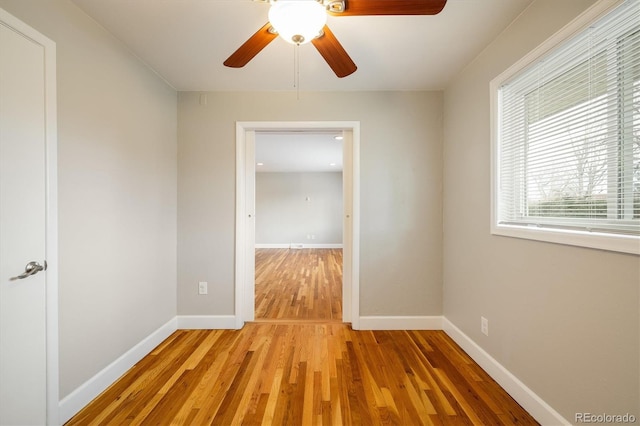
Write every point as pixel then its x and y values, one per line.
pixel 297 21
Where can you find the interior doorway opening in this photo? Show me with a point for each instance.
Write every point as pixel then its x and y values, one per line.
pixel 246 211
pixel 298 225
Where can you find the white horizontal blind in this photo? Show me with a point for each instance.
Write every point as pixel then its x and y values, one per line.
pixel 569 132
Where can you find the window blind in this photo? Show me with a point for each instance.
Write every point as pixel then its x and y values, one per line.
pixel 569 132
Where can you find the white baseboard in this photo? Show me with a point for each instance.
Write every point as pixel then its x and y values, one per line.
pixel 400 323
pixel 207 322
pixel 531 402
pixel 299 245
pixel 85 393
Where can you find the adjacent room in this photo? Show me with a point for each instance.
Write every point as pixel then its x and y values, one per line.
pixel 464 249
pixel 298 225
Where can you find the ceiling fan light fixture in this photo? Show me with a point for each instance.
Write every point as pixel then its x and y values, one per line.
pixel 297 21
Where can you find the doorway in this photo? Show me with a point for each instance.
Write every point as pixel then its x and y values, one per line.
pixel 298 226
pixel 245 212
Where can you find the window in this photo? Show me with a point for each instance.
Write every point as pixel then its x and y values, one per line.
pixel 566 132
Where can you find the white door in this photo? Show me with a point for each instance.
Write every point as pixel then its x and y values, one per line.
pixel 25 132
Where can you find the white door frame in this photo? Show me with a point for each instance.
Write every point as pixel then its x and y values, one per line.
pixel 245 213
pixel 51 173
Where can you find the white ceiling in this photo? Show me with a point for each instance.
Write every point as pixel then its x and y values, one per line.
pixel 186 41
pixel 298 152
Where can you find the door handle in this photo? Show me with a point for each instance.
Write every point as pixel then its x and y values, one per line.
pixel 32 268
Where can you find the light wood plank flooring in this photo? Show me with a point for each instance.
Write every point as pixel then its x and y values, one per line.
pixel 303 284
pixel 304 374
pixel 299 365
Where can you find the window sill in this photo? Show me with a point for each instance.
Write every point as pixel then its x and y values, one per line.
pixel 595 240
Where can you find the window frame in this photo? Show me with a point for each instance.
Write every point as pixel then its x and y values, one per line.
pixel 582 238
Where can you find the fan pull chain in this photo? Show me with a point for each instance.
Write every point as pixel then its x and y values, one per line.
pixel 296 70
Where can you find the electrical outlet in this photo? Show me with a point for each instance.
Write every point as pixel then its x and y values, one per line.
pixel 484 326
pixel 313 237
pixel 202 287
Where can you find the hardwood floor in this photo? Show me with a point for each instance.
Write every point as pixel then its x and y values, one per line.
pixel 303 284
pixel 304 374
pixel 299 365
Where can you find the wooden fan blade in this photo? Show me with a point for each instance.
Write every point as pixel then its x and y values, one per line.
pixel 333 52
pixel 251 47
pixel 391 7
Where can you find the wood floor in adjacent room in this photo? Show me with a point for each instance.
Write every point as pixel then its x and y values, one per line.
pixel 299 284
pixel 283 371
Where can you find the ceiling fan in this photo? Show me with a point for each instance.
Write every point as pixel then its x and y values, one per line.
pixel 303 21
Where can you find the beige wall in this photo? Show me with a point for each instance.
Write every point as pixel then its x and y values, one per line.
pixel 563 319
pixel 292 206
pixel 401 172
pixel 117 191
